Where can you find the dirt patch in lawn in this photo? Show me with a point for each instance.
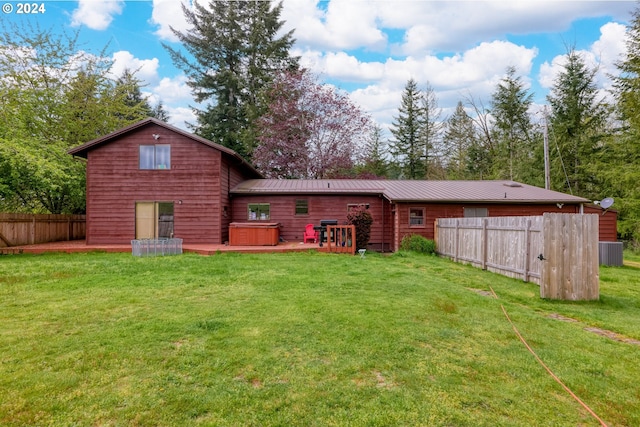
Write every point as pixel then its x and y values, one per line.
pixel 602 332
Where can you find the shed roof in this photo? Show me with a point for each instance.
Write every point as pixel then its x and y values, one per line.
pixel 412 190
pixel 82 150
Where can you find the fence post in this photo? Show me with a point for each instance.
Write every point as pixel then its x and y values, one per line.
pixel 484 243
pixel 527 249
pixel 32 234
pixel 457 240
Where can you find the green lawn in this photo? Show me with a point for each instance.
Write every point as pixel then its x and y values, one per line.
pixel 305 339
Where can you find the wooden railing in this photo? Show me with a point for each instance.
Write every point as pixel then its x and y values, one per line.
pixel 341 238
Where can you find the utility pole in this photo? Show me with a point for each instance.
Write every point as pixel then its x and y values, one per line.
pixel 547 176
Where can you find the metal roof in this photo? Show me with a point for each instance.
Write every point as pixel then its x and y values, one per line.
pixel 412 190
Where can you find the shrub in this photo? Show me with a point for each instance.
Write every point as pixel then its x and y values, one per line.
pixel 362 219
pixel 418 243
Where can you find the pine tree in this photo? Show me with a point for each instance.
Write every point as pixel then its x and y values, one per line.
pixel 459 138
pixel 618 168
pixel 431 134
pixel 512 127
pixel 407 130
pixel 374 164
pixel 237 52
pixel 127 87
pixel 578 121
pixel 159 112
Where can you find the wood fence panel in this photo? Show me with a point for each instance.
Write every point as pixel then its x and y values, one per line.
pixel 28 229
pixel 571 267
pixel 504 245
pixel 557 251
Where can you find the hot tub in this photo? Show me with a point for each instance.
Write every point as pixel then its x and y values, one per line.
pixel 254 234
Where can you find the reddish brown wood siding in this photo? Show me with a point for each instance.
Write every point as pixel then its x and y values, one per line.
pixel 230 177
pixel 194 184
pixel 282 210
pixel 435 211
pixel 608 223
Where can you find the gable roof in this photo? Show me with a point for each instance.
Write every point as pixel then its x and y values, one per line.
pixel 412 190
pixel 82 150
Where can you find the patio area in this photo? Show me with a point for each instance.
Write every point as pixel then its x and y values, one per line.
pixel 202 249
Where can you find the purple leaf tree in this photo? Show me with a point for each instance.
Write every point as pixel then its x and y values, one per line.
pixel 309 131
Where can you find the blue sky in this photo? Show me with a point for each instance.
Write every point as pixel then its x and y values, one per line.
pixel 369 48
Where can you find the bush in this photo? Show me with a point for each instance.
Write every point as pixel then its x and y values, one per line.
pixel 418 243
pixel 362 219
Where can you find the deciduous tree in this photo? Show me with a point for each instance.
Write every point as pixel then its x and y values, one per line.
pixel 53 95
pixel 309 130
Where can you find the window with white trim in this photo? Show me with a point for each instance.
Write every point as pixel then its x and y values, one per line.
pixel 156 156
pixel 417 217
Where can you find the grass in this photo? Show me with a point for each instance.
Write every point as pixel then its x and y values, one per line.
pixel 305 339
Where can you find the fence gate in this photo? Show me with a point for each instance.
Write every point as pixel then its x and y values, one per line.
pixel 570 268
pixel 557 251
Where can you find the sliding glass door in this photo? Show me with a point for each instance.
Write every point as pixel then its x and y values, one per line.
pixel 154 220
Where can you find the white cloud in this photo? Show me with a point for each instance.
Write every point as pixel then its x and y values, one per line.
pixel 145 70
pixel 602 55
pixel 168 14
pixel 181 117
pixel 446 26
pixel 453 77
pixel 173 90
pixel 96 15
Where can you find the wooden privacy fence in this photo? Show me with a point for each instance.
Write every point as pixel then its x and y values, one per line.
pixel 557 251
pixel 29 229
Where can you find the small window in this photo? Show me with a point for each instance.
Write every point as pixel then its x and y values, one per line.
pixel 476 212
pixel 357 205
pixel 258 211
pixel 302 207
pixel 416 217
pixel 155 156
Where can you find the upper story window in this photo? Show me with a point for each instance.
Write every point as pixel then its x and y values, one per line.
pixel 416 217
pixel 156 156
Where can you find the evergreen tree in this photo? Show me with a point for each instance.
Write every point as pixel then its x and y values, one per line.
pixel 408 127
pixel 618 163
pixel 128 88
pixel 459 138
pixel 236 54
pixel 431 134
pixel 374 164
pixel 159 112
pixel 512 127
pixel 577 121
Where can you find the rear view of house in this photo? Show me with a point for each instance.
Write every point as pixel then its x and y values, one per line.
pixel 152 180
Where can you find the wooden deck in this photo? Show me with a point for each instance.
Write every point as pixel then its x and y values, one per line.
pixel 202 249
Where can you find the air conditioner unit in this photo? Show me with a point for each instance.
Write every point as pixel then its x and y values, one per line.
pixel 610 253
